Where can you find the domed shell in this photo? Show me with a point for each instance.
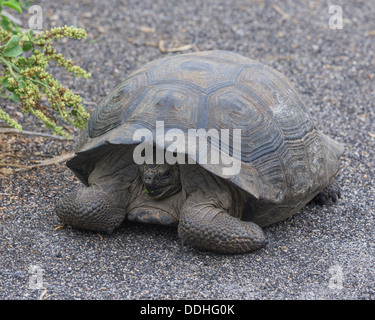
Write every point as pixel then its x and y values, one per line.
pixel 283 155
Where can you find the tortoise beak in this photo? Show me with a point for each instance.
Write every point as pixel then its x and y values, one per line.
pixel 153 192
pixel 152 188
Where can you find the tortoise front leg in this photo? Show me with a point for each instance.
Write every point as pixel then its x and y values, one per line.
pixel 206 226
pixel 96 208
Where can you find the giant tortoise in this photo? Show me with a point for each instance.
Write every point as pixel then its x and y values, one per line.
pixel 284 161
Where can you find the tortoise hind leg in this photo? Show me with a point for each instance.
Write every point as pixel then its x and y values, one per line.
pixel 95 208
pixel 331 192
pixel 206 226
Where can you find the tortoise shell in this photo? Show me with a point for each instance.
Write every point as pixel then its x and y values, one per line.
pixel 285 159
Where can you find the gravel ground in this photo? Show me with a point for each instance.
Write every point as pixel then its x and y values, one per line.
pixel 321 253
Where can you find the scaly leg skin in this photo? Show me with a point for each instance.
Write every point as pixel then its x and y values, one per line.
pixel 205 226
pixel 92 208
pixel 331 192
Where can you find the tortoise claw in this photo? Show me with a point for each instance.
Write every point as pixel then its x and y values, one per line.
pixel 331 192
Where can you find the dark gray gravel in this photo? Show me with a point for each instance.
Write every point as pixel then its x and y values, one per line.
pixel 321 253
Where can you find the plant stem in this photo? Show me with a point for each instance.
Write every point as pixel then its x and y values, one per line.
pixel 11 66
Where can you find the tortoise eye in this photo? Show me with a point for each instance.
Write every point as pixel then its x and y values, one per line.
pixel 167 174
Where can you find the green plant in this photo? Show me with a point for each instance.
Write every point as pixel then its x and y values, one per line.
pixel 24 57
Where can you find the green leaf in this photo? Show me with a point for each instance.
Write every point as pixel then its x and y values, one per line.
pixel 23 61
pixel 12 52
pixel 31 60
pixel 5 82
pixel 12 48
pixel 27 45
pixel 28 3
pixel 12 4
pixel 13 42
pixel 30 33
pixel 21 84
pixel 11 89
pixel 14 97
pixel 6 24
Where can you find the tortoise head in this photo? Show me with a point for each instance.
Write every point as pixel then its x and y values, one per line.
pixel 160 180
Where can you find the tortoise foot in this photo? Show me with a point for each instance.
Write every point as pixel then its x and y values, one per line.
pixel 331 192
